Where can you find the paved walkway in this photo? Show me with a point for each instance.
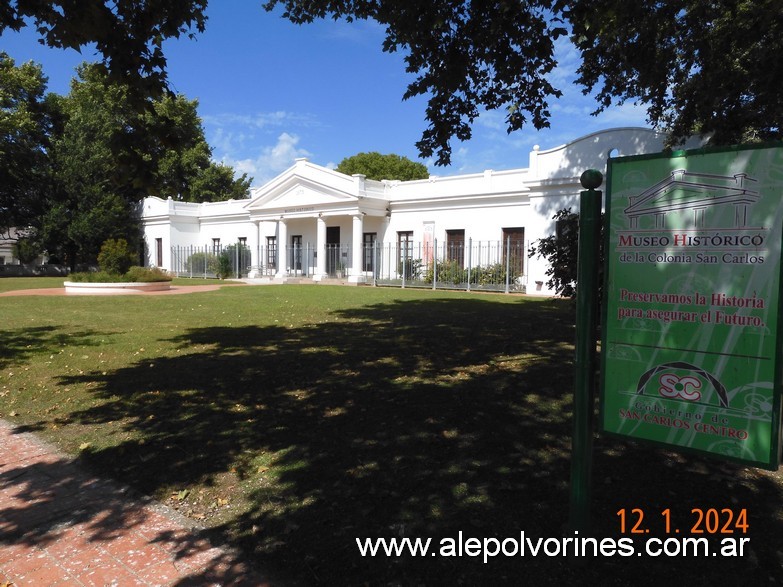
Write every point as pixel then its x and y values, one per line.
pixel 175 289
pixel 62 526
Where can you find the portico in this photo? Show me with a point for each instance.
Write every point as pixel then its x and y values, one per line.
pixel 313 222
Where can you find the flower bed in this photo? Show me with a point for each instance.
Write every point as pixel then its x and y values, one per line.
pixel 94 288
pixel 136 280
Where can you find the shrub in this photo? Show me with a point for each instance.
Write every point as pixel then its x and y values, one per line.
pixel 240 257
pixel 95 277
pixel 412 269
pixel 115 256
pixel 561 250
pixel 134 275
pixel 146 275
pixel 447 272
pixel 495 274
pixel 202 264
pixel 224 269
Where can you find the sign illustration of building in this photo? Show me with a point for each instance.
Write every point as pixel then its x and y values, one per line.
pixel 695 194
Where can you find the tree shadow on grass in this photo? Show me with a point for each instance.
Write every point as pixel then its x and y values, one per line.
pixel 21 344
pixel 409 419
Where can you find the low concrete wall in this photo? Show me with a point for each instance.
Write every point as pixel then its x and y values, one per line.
pixel 105 289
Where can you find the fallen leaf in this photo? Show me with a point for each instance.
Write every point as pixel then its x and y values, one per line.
pixel 84 445
pixel 183 494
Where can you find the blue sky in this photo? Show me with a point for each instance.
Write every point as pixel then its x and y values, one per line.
pixel 270 91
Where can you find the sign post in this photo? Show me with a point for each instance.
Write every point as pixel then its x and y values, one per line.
pixel 586 320
pixel 691 346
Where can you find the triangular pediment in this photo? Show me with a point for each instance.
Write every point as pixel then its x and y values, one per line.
pixel 304 186
pixel 301 194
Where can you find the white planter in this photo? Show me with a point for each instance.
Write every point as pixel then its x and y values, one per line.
pixel 107 289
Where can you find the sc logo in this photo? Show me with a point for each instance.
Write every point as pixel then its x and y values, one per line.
pixel 687 388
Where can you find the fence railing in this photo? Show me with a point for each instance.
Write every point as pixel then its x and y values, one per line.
pixel 474 265
pixel 233 260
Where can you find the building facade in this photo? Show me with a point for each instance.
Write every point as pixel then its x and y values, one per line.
pixel 311 222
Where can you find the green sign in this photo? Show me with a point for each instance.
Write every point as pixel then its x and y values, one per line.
pixel 691 326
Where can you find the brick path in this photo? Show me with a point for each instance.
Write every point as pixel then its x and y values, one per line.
pixel 61 526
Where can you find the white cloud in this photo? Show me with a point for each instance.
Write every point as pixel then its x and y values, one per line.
pixel 271 160
pixel 260 120
pixel 628 114
pixel 492 119
pixel 568 61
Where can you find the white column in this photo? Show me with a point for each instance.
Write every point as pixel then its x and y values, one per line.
pixel 357 273
pixel 282 248
pixel 253 243
pixel 320 249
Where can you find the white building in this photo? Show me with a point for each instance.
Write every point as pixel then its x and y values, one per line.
pixel 311 222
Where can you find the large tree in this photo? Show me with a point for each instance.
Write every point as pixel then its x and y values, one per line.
pixel 377 166
pixel 25 125
pixel 95 182
pixel 108 155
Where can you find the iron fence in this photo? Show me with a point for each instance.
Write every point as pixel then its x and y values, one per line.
pixel 234 260
pixel 475 265
pixel 479 265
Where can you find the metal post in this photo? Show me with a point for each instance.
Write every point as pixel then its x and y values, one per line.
pixel 470 259
pixel 434 263
pixel 508 263
pixel 586 322
pixel 404 254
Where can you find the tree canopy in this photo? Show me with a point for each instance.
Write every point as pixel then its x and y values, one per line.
pixel 128 33
pixel 699 67
pixel 24 129
pixel 182 164
pixel 709 68
pixel 377 166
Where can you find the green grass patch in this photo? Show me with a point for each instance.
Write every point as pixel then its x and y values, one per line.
pixel 292 420
pixel 16 283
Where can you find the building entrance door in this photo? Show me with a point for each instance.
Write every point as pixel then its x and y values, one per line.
pixel 333 259
pixel 296 249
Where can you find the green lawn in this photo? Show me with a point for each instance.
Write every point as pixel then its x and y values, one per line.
pixel 291 420
pixel 12 283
